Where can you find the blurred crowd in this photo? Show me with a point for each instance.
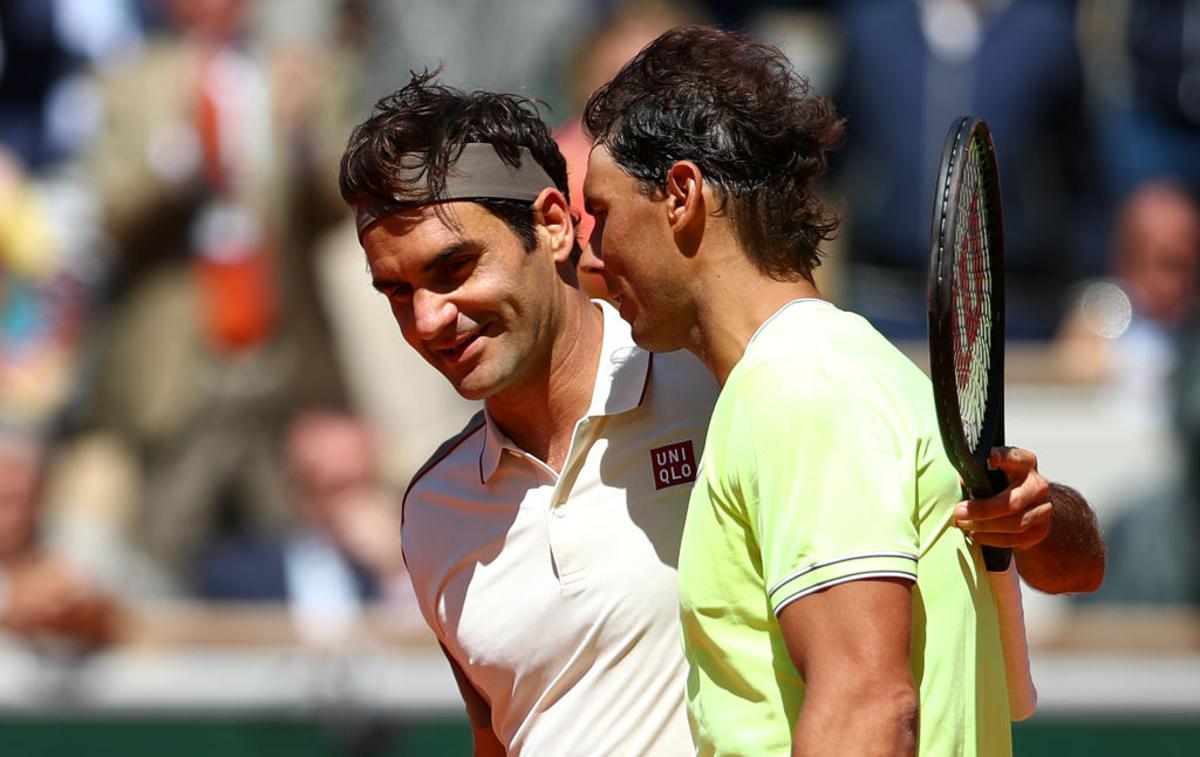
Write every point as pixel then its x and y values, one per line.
pixel 201 399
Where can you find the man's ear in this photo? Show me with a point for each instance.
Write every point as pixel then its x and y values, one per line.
pixel 685 205
pixel 553 215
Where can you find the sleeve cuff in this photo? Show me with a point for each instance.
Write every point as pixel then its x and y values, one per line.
pixel 841 570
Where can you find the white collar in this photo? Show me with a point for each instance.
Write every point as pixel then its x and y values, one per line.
pixel 622 375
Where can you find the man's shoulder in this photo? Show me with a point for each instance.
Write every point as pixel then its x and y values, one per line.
pixel 446 460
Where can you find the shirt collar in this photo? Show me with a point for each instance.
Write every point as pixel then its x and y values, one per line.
pixel 622 375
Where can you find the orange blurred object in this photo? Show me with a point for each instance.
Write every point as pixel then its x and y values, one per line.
pixel 239 307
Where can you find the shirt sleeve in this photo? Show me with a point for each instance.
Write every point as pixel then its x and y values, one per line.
pixel 418 560
pixel 832 474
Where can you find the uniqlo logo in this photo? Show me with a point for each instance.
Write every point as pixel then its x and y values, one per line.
pixel 674 464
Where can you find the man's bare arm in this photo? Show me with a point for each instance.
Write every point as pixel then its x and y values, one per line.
pixel 1072 556
pixel 479 713
pixel 850 644
pixel 1054 535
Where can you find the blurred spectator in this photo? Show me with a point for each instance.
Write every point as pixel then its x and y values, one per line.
pixel 910 68
pixel 1125 332
pixel 211 332
pixel 47 109
pixel 344 549
pixel 1137 335
pixel 1144 61
pixel 43 288
pixel 1154 543
pixel 514 46
pixel 42 596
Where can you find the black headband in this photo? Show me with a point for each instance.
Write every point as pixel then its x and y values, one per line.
pixel 478 174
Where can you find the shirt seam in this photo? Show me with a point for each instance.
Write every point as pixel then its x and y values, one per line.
pixel 841 580
pixel 834 561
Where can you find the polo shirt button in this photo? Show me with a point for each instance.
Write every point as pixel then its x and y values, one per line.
pixel 560 512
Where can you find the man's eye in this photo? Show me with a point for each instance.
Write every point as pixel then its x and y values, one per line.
pixel 456 269
pixel 397 293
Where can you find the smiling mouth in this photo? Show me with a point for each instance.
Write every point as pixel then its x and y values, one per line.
pixel 455 351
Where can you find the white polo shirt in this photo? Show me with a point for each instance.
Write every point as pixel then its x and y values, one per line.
pixel 557 595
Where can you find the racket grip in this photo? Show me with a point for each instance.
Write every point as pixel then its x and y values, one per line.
pixel 1022 694
pixel 997 559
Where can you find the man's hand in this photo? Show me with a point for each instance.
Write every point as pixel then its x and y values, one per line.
pixel 1053 532
pixel 366 524
pixel 1018 517
pixel 47 597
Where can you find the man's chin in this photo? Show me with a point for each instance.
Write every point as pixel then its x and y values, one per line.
pixel 648 338
pixel 472 393
pixel 474 386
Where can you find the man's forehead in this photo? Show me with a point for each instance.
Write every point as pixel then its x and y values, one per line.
pixel 441 222
pixel 599 159
pixel 601 171
pixel 415 234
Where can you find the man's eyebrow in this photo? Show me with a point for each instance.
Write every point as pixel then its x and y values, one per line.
pixel 384 282
pixel 449 252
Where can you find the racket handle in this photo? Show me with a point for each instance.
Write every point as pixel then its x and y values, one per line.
pixel 1022 694
pixel 997 559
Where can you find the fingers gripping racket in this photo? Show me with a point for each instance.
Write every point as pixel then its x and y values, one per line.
pixel 966 349
pixel 966 312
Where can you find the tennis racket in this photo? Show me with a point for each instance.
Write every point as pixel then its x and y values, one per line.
pixel 966 312
pixel 966 350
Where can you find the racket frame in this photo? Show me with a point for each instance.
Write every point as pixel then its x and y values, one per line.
pixel 978 481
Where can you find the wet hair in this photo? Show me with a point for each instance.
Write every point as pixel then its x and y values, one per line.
pixel 424 126
pixel 738 110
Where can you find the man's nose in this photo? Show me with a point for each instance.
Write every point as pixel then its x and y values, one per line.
pixel 591 260
pixel 432 313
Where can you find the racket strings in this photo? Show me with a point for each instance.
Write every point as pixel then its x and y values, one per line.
pixel 971 314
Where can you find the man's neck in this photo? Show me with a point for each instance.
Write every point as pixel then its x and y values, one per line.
pixel 539 415
pixel 734 300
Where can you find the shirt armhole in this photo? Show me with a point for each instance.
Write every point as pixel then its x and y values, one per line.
pixel 479 710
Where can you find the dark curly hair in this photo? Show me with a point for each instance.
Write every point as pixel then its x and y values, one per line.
pixel 434 122
pixel 737 109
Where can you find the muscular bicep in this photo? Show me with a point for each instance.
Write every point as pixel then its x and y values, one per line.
pixel 850 643
pixel 854 628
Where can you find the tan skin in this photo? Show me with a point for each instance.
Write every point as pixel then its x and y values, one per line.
pixel 850 644
pixel 502 324
pixel 684 282
pixel 1054 535
pixel 498 322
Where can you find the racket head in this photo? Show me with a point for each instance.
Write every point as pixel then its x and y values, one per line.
pixel 966 304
